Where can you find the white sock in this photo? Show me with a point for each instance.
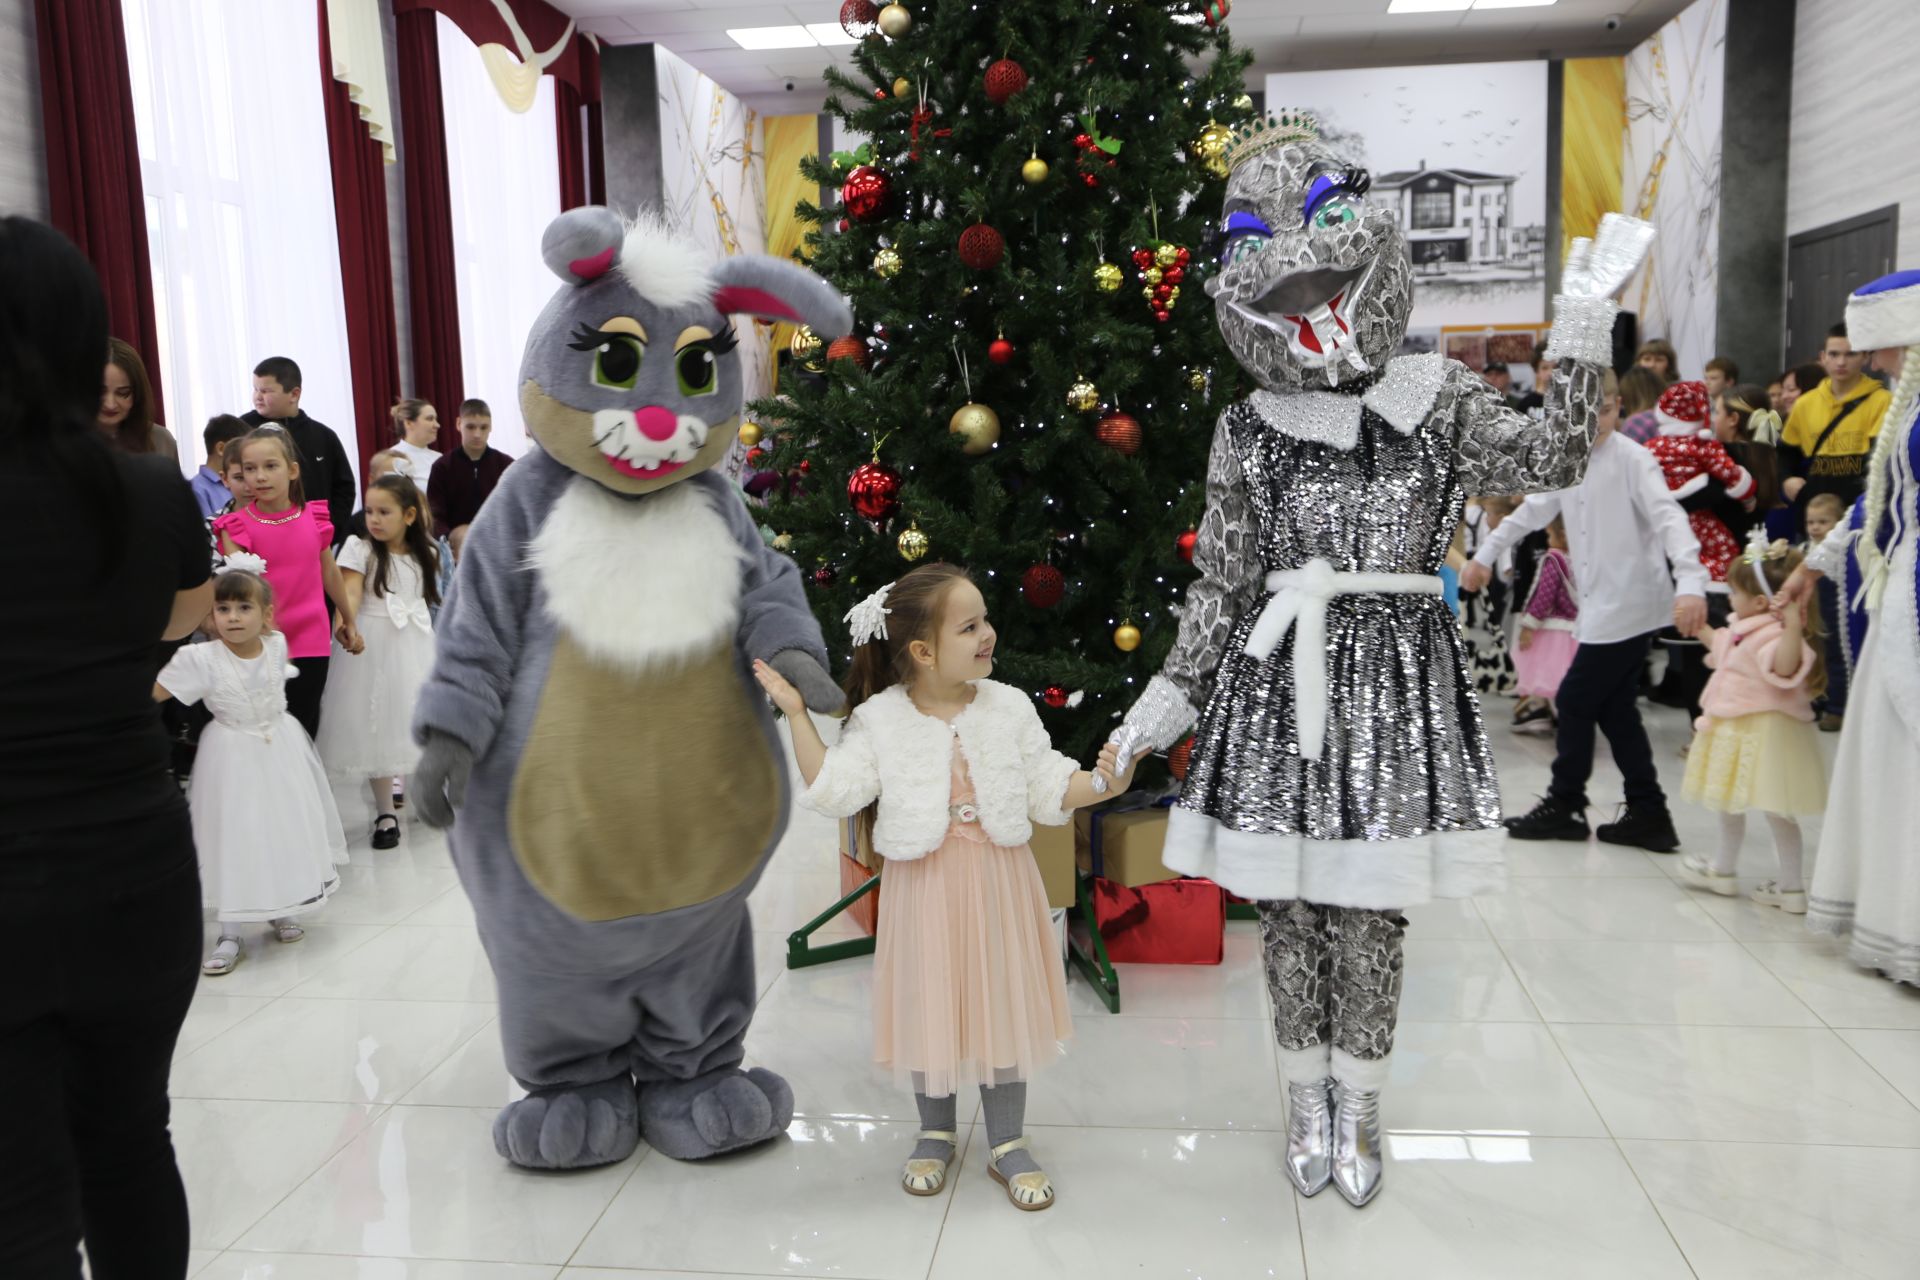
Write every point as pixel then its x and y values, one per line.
pixel 382 796
pixel 1787 844
pixel 1733 832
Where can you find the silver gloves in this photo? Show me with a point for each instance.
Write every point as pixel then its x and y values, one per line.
pixel 1154 723
pixel 1596 270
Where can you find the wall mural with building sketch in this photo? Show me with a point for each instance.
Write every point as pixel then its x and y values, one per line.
pixel 1461 153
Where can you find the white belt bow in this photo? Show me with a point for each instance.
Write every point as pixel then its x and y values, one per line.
pixel 1299 601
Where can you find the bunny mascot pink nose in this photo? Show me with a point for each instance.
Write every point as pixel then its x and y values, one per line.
pixel 656 423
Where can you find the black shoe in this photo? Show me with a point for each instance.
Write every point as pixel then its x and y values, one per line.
pixel 386 832
pixel 1644 826
pixel 1665 697
pixel 1551 819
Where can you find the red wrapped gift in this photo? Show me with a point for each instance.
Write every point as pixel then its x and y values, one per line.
pixel 1172 922
pixel 865 912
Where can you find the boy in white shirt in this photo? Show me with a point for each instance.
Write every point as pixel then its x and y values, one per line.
pixel 1624 531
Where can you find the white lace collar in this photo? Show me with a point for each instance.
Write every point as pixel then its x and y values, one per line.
pixel 1404 396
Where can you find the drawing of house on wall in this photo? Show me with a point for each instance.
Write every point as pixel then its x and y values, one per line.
pixel 1459 221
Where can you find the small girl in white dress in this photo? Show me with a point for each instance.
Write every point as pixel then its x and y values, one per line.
pixel 366 721
pixel 268 835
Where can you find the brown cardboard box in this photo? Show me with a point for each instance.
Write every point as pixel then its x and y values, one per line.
pixel 1130 845
pixel 1053 853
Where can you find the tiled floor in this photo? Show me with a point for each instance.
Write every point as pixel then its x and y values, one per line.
pixel 1600 1074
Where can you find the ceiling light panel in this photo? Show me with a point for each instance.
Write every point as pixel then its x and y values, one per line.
pixel 772 37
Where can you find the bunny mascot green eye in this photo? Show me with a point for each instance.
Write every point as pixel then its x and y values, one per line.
pixel 592 733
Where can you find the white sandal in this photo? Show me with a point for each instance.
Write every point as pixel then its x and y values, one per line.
pixel 223 960
pixel 1031 1192
pixel 287 929
pixel 927 1177
pixel 1768 893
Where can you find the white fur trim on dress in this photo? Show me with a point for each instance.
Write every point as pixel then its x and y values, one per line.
pixel 666 268
pixel 1380 875
pixel 639 582
pixel 1306 1066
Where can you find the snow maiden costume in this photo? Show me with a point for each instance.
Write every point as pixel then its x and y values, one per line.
pixel 592 714
pixel 1866 883
pixel 1340 771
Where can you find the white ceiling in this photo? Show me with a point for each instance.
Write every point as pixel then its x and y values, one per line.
pixel 1285 35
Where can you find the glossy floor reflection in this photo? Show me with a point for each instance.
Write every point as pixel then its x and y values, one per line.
pixel 1600 1073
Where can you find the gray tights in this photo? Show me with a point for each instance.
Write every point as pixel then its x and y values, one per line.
pixel 1005 1109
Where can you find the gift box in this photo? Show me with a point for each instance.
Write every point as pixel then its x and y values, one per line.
pixel 1053 853
pixel 1146 913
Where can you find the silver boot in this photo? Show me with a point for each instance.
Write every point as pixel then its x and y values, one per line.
pixel 1357 1162
pixel 1310 1136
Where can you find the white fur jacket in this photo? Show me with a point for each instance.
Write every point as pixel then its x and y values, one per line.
pixel 892 750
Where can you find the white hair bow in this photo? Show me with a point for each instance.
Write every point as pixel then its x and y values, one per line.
pixel 242 562
pixel 868 619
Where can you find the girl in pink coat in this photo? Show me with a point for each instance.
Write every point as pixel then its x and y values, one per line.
pixel 1755 746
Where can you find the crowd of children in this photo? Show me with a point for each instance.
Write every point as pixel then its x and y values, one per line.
pixel 306 673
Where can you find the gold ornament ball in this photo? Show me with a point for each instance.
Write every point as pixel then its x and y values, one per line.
pixel 895 21
pixel 1243 103
pixel 1166 256
pixel 1107 277
pixel 783 542
pixel 1083 396
pixel 1126 637
pixel 1034 172
pixel 913 544
pixel 977 425
pixel 887 263
pixel 1151 275
pixel 1210 148
pixel 750 434
pixel 1197 379
pixel 806 348
pixel 901 88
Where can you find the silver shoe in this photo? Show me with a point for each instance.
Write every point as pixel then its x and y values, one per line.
pixel 1357 1162
pixel 1310 1136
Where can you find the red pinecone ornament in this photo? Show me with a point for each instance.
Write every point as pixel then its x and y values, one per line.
pixel 1004 79
pixel 1119 432
pixel 1043 586
pixel 848 349
pixel 874 491
pixel 981 247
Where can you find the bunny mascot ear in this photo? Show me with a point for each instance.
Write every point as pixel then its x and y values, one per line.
pixel 581 245
pixel 770 289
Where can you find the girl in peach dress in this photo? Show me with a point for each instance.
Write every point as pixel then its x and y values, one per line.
pixel 968 983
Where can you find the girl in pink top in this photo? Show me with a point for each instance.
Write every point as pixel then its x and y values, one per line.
pixel 1756 746
pixel 295 538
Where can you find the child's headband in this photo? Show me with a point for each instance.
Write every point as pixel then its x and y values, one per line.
pixel 1758 552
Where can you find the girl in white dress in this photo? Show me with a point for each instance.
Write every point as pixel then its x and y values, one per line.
pixel 366 721
pixel 263 818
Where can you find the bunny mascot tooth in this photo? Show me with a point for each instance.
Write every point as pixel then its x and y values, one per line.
pixel 591 729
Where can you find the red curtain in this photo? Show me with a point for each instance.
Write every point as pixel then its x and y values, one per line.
pixel 435 302
pixel 93 162
pixel 366 264
pixel 568 113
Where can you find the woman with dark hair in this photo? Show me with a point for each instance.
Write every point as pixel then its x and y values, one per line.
pixel 92 826
pixel 1795 383
pixel 126 404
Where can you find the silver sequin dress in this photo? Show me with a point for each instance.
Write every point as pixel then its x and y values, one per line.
pixel 1402 805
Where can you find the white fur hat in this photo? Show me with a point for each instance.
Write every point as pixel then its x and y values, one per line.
pixel 1885 313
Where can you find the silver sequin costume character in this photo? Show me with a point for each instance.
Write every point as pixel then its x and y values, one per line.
pixel 1340 771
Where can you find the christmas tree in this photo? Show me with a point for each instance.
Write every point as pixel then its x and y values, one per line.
pixel 1033 381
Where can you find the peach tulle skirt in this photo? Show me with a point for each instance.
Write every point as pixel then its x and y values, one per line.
pixel 968 983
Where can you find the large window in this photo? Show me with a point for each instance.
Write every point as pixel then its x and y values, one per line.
pixel 233 156
pixel 503 172
pixel 1432 209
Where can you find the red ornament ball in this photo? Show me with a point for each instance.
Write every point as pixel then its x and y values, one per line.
pixel 874 490
pixel 1000 351
pixel 1180 759
pixel 756 456
pixel 879 95
pixel 806 466
pixel 981 247
pixel 824 576
pixel 1119 432
pixel 1004 79
pixel 1054 696
pixel 867 193
pixel 1043 586
pixel 858 17
pixel 848 349
pixel 1184 544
